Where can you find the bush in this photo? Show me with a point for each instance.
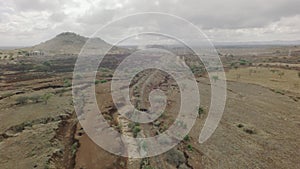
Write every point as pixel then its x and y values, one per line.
pixel 46 97
pixel 240 125
pixel 74 148
pixel 100 81
pixel 132 125
pixel 249 131
pixel 67 83
pixel 97 82
pixel 103 81
pixel 35 98
pixel 47 63
pixel 136 130
pixel 186 138
pixel 42 68
pixel 22 100
pixel 190 147
pixel 299 74
pixel 215 78
pixel 200 111
pixel 243 62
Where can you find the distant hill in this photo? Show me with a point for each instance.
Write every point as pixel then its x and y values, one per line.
pixel 258 43
pixel 71 43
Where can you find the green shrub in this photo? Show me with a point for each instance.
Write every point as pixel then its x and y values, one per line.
pixel 103 81
pixel 200 111
pixel 100 81
pixel 74 148
pixel 186 138
pixel 243 62
pixel 46 97
pixel 132 125
pixel 97 82
pixel 67 83
pixel 190 147
pixel 136 130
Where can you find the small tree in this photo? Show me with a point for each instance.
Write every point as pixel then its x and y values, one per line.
pixel 46 97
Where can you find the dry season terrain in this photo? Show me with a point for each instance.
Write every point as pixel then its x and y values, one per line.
pixel 39 126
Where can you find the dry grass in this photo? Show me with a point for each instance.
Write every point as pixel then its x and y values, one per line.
pixel 274 78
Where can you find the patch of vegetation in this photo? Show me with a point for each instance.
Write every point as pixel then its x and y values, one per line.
pixel 74 148
pixel 47 63
pixel 22 100
pixel 35 98
pixel 100 81
pixel 281 74
pixel 215 78
pixel 103 81
pixel 78 76
pixel 243 62
pixel 299 74
pixel 278 91
pixel 187 138
pixel 135 128
pixel 5 95
pixel 46 97
pixel 148 167
pixel 190 147
pixel 249 131
pixel 97 82
pixel 197 70
pixel 42 68
pixel 67 83
pixel 240 125
pixel 200 111
pixel 122 164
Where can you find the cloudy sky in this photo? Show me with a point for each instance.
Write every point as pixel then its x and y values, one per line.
pixel 28 22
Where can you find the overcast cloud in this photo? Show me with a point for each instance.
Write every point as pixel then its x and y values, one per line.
pixel 28 22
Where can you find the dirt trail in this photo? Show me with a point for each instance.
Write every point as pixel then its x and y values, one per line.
pixel 89 155
pixel 65 134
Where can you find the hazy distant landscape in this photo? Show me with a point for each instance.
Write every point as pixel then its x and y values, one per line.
pixel 37 115
pixel 249 50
